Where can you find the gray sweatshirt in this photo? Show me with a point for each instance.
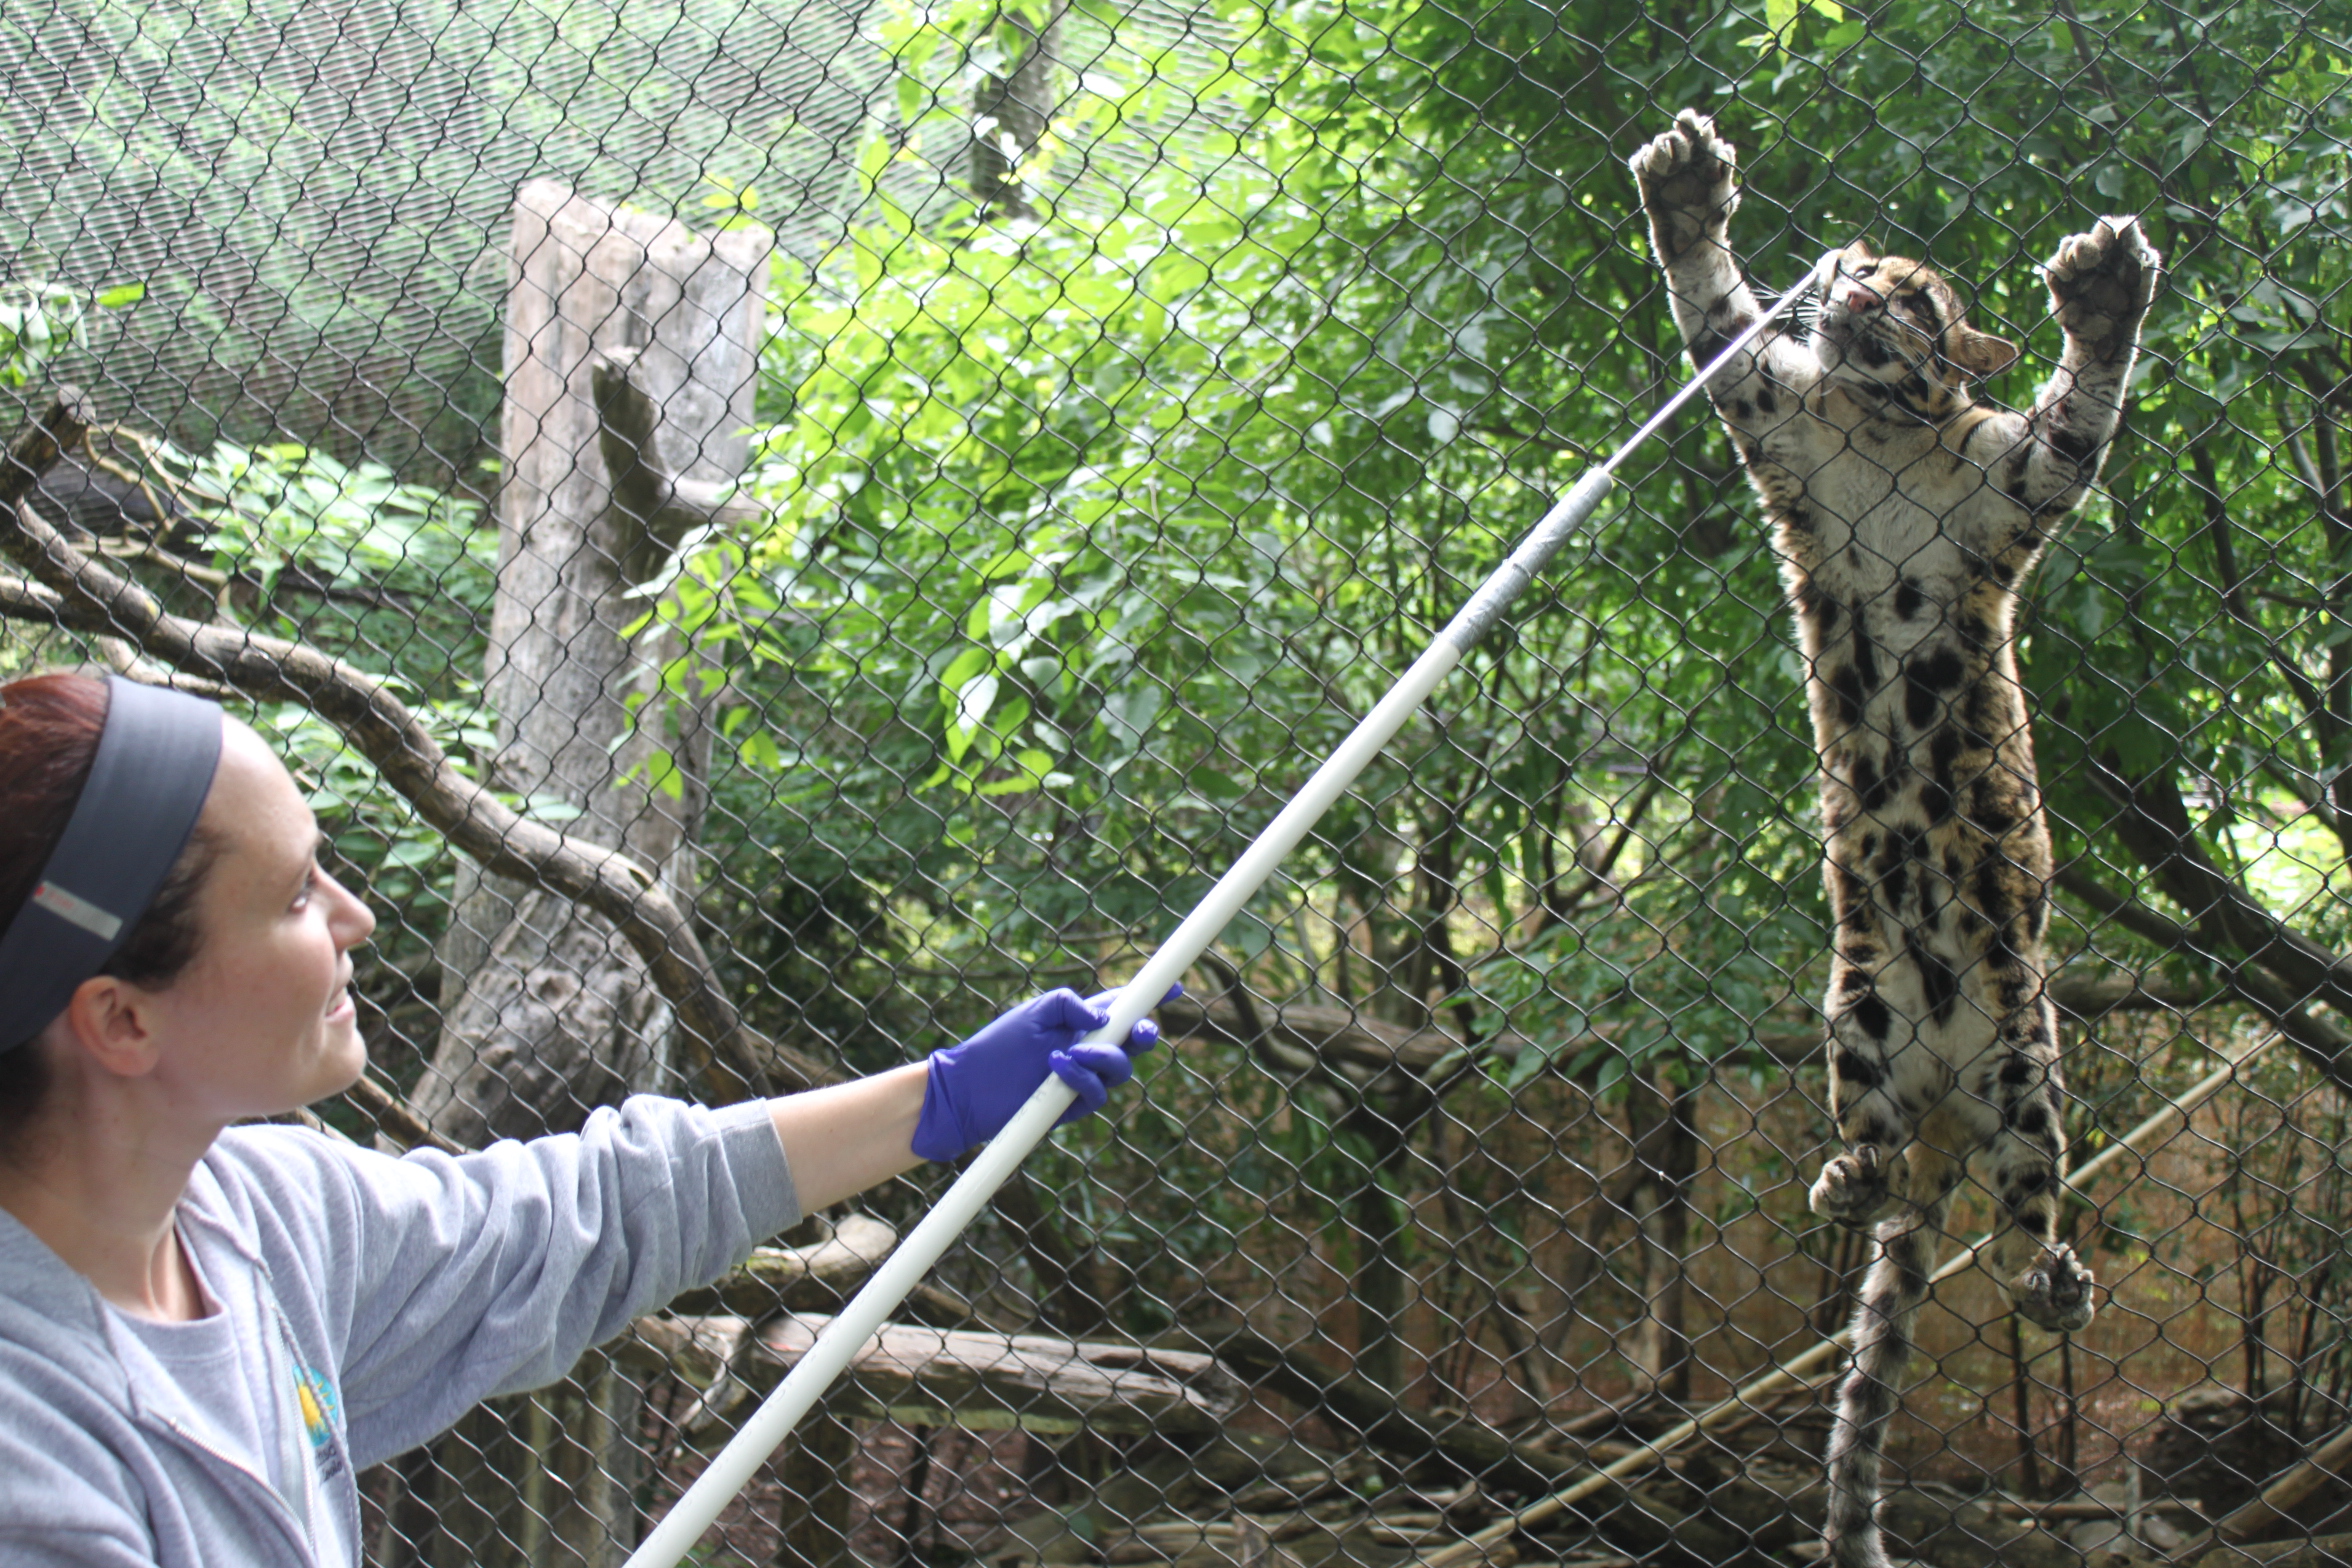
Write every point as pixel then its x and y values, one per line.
pixel 369 1302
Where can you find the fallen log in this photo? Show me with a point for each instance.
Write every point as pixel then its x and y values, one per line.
pixel 1949 1531
pixel 2217 1447
pixel 1697 1520
pixel 954 1377
pixel 2287 1492
pixel 2324 1551
pixel 810 1278
pixel 1474 1448
pixel 2226 1545
pixel 1205 1478
pixel 1652 1522
pixel 1927 1524
pixel 2088 1508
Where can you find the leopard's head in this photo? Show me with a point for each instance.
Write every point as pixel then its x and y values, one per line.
pixel 1892 329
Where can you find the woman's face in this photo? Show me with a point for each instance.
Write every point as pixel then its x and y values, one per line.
pixel 261 1022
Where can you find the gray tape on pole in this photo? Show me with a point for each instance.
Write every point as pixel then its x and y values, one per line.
pixel 1535 552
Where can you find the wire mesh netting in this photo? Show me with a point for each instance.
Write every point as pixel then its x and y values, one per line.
pixel 927 483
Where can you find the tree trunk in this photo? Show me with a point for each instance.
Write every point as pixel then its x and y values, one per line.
pixel 1382 1284
pixel 617 319
pixel 1012 111
pixel 816 1503
pixel 1662 1344
pixel 631 355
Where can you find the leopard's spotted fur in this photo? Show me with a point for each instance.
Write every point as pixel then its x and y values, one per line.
pixel 1906 515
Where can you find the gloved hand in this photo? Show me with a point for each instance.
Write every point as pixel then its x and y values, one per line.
pixel 976 1087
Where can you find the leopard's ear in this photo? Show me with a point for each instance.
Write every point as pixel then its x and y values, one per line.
pixel 1978 353
pixel 1861 250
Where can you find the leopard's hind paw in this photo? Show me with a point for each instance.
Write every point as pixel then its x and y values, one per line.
pixel 1852 1189
pixel 2055 1292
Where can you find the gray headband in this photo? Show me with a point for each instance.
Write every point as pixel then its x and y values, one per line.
pixel 154 767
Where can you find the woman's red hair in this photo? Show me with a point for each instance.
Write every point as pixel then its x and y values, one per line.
pixel 49 729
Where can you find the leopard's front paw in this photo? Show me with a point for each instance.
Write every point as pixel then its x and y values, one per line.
pixel 1852 1189
pixel 2101 282
pixel 2055 1292
pixel 1687 180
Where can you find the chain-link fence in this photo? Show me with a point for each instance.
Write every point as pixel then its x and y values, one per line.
pixel 927 482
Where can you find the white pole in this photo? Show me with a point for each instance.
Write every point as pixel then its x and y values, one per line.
pixel 865 1314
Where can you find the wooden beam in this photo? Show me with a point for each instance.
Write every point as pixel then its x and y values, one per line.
pixel 796 1277
pixel 958 1376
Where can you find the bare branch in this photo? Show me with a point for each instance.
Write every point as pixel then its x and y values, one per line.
pixel 2088 998
pixel 2153 821
pixel 2233 598
pixel 1344 1040
pixel 667 507
pixel 1560 907
pixel 2324 1044
pixel 2295 601
pixel 815 1278
pixel 394 1118
pixel 23 601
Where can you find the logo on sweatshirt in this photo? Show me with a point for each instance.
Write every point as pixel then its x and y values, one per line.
pixel 322 1412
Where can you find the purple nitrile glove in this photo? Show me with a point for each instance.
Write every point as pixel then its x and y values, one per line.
pixel 976 1087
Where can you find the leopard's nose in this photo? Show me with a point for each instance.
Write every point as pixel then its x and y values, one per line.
pixel 1861 301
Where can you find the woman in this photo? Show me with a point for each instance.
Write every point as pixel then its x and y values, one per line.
pixel 207 1330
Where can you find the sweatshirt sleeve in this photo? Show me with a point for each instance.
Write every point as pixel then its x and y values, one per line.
pixel 488 1273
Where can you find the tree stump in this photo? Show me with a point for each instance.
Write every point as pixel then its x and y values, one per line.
pixel 631 355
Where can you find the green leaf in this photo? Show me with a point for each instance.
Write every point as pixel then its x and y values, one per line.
pixel 972 703
pixel 1036 772
pixel 960 671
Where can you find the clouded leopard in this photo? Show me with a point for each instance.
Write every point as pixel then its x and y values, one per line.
pixel 1906 516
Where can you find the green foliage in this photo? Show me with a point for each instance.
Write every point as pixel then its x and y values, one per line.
pixel 1087 541
pixel 42 320
pixel 275 508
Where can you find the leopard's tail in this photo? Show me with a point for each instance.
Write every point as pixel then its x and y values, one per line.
pixel 1873 1389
